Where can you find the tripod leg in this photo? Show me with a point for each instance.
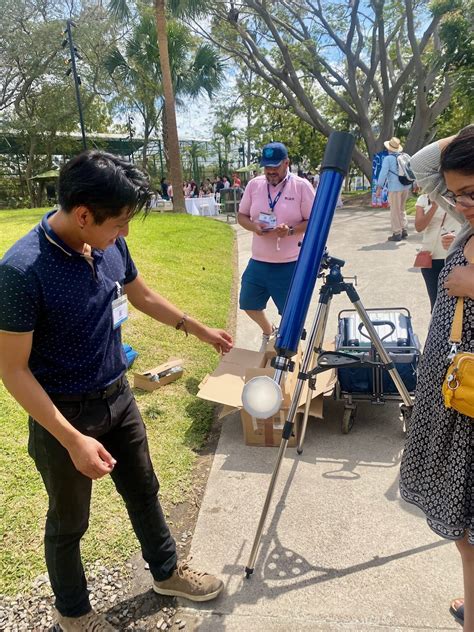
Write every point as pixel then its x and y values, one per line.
pixel 261 523
pixel 287 430
pixel 317 331
pixel 314 344
pixel 375 338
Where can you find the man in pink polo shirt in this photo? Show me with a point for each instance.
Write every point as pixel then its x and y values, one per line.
pixel 276 208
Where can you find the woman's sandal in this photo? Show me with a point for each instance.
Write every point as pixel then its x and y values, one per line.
pixel 457 610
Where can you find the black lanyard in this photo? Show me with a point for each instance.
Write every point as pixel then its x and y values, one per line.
pixel 273 203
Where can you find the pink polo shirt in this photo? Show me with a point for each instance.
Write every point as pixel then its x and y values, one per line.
pixel 293 207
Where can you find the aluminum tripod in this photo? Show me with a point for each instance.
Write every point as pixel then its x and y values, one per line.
pixel 333 284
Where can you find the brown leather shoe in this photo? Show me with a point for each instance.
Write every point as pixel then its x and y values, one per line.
pixel 90 622
pixel 188 583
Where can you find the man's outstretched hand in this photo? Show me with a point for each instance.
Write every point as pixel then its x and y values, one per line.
pixel 218 338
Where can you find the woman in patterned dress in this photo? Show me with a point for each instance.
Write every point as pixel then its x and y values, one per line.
pixel 437 469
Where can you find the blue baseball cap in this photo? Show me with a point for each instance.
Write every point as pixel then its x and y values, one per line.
pixel 273 155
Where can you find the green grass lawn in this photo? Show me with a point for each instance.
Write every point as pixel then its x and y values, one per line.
pixel 188 260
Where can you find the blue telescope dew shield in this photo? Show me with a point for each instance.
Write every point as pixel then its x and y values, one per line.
pixel 336 161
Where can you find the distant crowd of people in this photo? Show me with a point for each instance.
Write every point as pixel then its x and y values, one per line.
pixel 191 189
pixel 213 186
pixel 210 186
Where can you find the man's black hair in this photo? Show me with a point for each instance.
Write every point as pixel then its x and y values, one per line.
pixel 459 154
pixel 103 183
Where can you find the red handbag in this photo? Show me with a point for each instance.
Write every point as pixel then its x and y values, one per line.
pixel 423 259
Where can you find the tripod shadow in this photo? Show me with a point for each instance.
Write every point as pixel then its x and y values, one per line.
pixel 280 570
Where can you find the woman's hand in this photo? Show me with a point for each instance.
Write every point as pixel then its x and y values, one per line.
pixel 460 281
pixel 447 239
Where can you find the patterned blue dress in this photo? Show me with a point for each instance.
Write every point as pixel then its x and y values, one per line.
pixel 437 468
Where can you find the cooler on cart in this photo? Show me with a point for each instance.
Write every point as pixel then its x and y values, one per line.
pixel 374 383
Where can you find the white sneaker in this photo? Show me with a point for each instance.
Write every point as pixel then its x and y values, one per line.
pixel 267 337
pixel 90 622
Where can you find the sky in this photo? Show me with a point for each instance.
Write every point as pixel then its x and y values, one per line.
pixel 196 121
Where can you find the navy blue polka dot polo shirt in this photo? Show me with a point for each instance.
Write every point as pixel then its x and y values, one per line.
pixel 65 299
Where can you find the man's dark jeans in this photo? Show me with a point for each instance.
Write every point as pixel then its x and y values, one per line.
pixel 115 422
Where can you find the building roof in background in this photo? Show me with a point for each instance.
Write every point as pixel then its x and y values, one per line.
pixel 69 143
pixel 51 174
pixel 252 167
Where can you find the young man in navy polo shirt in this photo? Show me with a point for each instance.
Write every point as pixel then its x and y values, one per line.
pixel 63 297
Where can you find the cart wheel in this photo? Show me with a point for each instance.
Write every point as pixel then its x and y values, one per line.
pixel 405 412
pixel 348 419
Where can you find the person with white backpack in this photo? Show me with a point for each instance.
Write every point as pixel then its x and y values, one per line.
pixel 395 172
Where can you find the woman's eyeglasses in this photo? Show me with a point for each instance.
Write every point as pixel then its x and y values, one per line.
pixel 464 199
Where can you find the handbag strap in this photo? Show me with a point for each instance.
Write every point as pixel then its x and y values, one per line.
pixel 456 327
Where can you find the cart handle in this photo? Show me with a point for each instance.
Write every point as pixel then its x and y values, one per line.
pixel 404 310
pixel 377 323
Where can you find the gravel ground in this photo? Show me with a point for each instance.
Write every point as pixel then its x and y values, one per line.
pixel 122 594
pixel 111 593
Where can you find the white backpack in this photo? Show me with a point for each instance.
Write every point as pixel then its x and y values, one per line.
pixel 405 173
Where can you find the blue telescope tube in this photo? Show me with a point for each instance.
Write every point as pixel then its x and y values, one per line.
pixel 336 161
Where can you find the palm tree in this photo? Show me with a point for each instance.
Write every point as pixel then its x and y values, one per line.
pixel 194 152
pixel 194 71
pixel 176 173
pixel 192 76
pixel 137 76
pixel 226 131
pixel 181 7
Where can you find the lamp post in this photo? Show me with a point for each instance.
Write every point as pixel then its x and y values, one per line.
pixel 77 80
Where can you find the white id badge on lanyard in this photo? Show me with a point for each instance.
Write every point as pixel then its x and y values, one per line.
pixel 268 220
pixel 119 308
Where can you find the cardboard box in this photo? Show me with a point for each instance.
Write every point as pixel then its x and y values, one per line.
pixel 224 386
pixel 266 432
pixel 159 376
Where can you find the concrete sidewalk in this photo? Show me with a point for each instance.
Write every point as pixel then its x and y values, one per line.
pixel 340 551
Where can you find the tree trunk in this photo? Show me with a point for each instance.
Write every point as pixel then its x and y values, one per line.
pixel 175 175
pixel 146 137
pixel 219 157
pixel 40 193
pixel 29 172
pixel 249 140
pixel 166 150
